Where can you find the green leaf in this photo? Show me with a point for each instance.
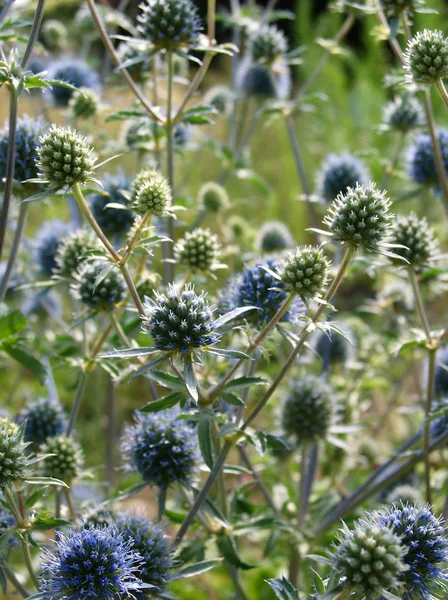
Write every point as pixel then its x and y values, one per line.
pixel 227 353
pixel 45 481
pixel 283 589
pixel 163 403
pixel 31 500
pixel 166 380
pixel 3 582
pixel 148 367
pixel 129 353
pixel 232 399
pixel 26 360
pixel 228 549
pixel 46 523
pixel 244 382
pixel 12 323
pixel 196 569
pixel 232 315
pixel 40 196
pixel 190 380
pixel 205 439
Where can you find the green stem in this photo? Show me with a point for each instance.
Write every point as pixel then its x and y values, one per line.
pixel 168 273
pixel 257 478
pixel 427 426
pixel 29 564
pixel 10 164
pixel 211 14
pixel 392 39
pixel 121 334
pixel 442 90
pixel 11 577
pixel 76 403
pixel 396 157
pixel 37 22
pixel 14 250
pixel 419 304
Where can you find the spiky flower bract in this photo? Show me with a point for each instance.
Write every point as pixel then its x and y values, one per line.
pixel 267 44
pixel 426 57
pixel 162 449
pixel 27 139
pixel 305 272
pixel 213 198
pixel 263 82
pixel 333 348
pixel 151 193
pixel 169 24
pixel 425 540
pixel 84 103
pixel 419 238
pixel 404 114
pixel 64 158
pixel 360 217
pixel 422 167
pixel 274 236
pixel 339 172
pixel 75 72
pixel 151 542
pixel 14 460
pixel 91 563
pixel 308 409
pixel 46 245
pixel 199 250
pixel 73 251
pixel 441 372
pixel 44 418
pixel 99 291
pixel 113 221
pixel 369 559
pixel 180 321
pixel 66 461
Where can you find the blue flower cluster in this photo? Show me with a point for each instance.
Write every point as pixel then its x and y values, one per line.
pixel 113 221
pixel 27 139
pixel 46 244
pixel 422 168
pixel 45 419
pixel 75 72
pixel 340 172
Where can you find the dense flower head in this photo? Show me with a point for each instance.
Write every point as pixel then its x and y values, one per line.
pixel 148 283
pixel 238 228
pixel 422 167
pixel 441 373
pixel 360 217
pixel 262 81
pixel 333 347
pixel 151 193
pixel 369 559
pixel 84 103
pixel 113 221
pixel 151 542
pixel 213 198
pixel 221 98
pixel 169 24
pixel 27 139
pixel 418 237
pixel 97 517
pixel 308 409
pixel 180 321
pixel 339 172
pixel 99 291
pixel 404 113
pixel 267 44
pixel 44 418
pixel 426 57
pixel 198 250
pixel 64 158
pixel 75 72
pixel 14 462
pixel 94 562
pixel 7 522
pixel 274 236
pixel 67 460
pixel 305 272
pixel 46 244
pixel 405 493
pixel 425 540
pixel 54 34
pixel 162 449
pixel 73 249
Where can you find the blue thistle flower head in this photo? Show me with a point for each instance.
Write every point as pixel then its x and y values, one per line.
pixel 257 287
pixel 27 139
pixel 274 236
pixel 421 165
pixel 441 374
pixel 46 245
pixel 162 449
pixel 77 73
pixel 7 522
pixel 45 419
pixel 113 221
pixel 338 172
pixel 425 539
pixel 263 81
pixel 92 563
pixel 151 542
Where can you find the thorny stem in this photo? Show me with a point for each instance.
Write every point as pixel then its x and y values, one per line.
pixel 14 250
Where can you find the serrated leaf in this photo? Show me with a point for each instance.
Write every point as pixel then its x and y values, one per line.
pixel 283 589
pixel 39 196
pixel 205 439
pixel 232 399
pixel 46 523
pixel 163 403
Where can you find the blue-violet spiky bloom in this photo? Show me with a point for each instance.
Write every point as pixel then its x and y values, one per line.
pixel 419 238
pixel 46 244
pixel 76 73
pixel 99 291
pixel 425 540
pixel 113 221
pixel 151 542
pixel 339 172
pixel 66 461
pixel 199 250
pixel 404 113
pixel 14 458
pixel 426 57
pixel 73 251
pixel 274 237
pixel 162 449
pixel 44 418
pixel 305 272
pixel 267 44
pixel 90 564
pixel 27 140
pixel 180 321
pixel 422 167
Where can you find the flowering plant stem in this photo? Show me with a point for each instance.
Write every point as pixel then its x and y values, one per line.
pixel 11 577
pixel 14 250
pixel 442 90
pixel 168 271
pixel 10 164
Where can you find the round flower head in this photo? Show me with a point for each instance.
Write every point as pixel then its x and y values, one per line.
pixel 404 114
pixel 425 541
pixel 180 321
pixel 72 251
pixel 274 237
pixel 96 290
pixel 113 221
pixel 333 348
pixel 441 374
pixel 418 237
pixel 75 72
pixel 422 167
pixel 46 245
pixel 84 103
pixel 91 563
pixel 213 198
pixel 54 34
pixel 267 44
pixel 14 462
pixel 340 172
pixel 221 98
pixel 426 57
pixel 148 284
pixel 151 193
pixel 169 24
pixel 64 158
pixel 162 449
pixel 369 559
pixel 360 217
pixel 305 272
pixel 404 493
pixel 99 517
pixel 27 139
pixel 67 460
pixel 152 544
pixel 264 82
pixel 44 418
pixel 308 409
pixel 198 250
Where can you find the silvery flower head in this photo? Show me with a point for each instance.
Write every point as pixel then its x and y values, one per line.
pixel 15 463
pixel 84 103
pixel 151 193
pixel 422 247
pixel 267 44
pixel 421 165
pixel 339 172
pixel 213 198
pixel 75 72
pixel 305 272
pixel 65 458
pixel 198 250
pixel 113 221
pixel 46 244
pixel 426 57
